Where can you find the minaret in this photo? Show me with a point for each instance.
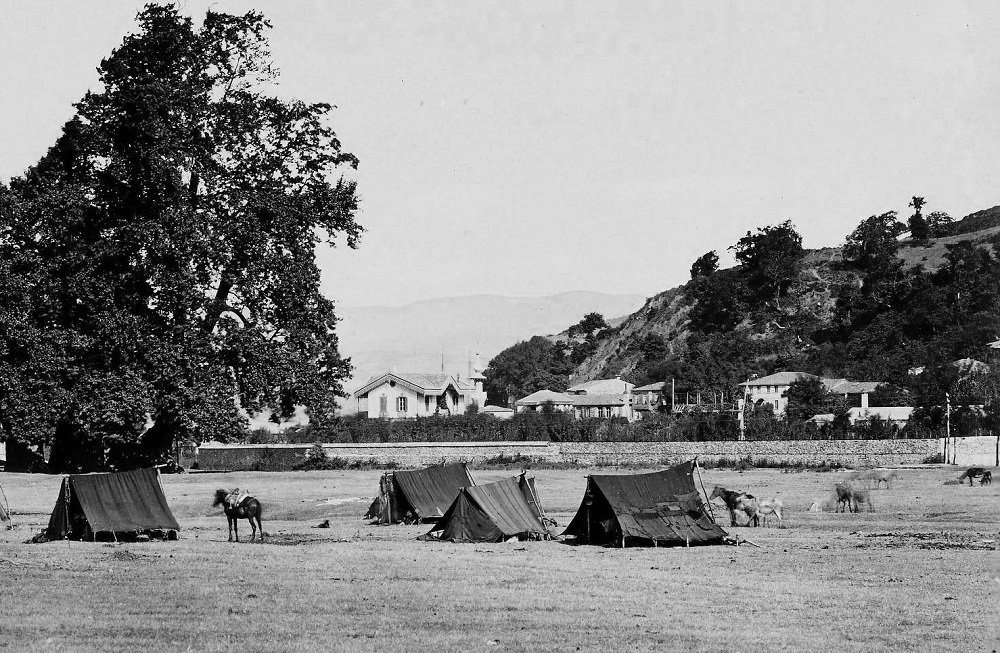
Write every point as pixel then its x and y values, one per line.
pixel 477 378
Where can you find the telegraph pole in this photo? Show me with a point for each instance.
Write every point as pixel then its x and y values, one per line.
pixel 947 429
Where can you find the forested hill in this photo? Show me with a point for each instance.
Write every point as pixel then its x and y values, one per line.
pixel 892 297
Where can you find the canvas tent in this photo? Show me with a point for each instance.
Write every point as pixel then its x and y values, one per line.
pixel 120 502
pixel 418 495
pixel 660 508
pixel 492 513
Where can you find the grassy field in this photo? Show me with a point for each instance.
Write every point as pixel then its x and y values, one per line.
pixel 917 574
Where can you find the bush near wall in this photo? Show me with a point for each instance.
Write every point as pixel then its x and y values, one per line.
pixel 559 427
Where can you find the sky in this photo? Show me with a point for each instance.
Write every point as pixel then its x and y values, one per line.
pixel 527 149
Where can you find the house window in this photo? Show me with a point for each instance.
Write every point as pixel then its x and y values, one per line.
pixel 383 406
pixel 401 405
pixel 427 403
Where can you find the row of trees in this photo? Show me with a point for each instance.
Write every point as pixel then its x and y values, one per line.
pixel 157 265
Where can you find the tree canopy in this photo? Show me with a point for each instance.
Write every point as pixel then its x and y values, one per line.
pixel 770 258
pixel 705 265
pixel 873 243
pixel 527 367
pixel 157 265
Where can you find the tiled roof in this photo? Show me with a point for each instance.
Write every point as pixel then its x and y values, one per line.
pixel 546 396
pixel 652 387
pixel 434 382
pixel 600 400
pixel 780 378
pixel 845 387
pixel 496 409
pixel 601 386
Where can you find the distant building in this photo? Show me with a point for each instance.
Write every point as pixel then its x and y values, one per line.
pixel 400 395
pixel 895 415
pixel 601 387
pixel 967 366
pixel 772 389
pixel 647 399
pixel 559 401
pixel 600 398
pixel 605 406
pixel 499 412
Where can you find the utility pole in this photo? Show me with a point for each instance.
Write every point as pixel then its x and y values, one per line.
pixel 947 429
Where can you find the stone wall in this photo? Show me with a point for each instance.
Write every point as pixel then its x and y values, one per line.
pixel 848 453
pixel 980 451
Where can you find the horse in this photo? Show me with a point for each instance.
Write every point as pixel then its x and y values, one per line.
pixel 249 509
pixel 880 476
pixel 987 478
pixel 759 509
pixel 971 473
pixel 850 495
pixel 734 501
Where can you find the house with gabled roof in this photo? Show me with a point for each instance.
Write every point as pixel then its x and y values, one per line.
pixel 400 395
pixel 598 398
pixel 560 401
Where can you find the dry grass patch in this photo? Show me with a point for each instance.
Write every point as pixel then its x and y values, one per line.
pixel 827 582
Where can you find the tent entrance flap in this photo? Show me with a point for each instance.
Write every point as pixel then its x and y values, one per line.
pixel 419 495
pixel 657 508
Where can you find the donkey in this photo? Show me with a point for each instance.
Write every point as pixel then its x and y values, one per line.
pixel 236 508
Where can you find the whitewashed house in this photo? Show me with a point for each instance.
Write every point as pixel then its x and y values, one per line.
pixel 401 395
pixel 599 398
pixel 772 389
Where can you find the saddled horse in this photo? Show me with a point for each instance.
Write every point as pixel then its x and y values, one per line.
pixel 248 508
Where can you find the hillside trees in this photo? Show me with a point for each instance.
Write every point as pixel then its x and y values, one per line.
pixel 157 266
pixel 705 265
pixel 770 258
pixel 919 230
pixel 529 366
pixel 872 245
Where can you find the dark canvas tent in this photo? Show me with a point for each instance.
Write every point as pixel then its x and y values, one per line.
pixel 492 513
pixel 657 508
pixel 419 494
pixel 121 502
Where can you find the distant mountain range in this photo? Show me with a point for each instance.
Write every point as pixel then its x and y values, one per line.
pixel 419 336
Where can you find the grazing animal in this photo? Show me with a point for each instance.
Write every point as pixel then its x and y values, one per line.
pixel 757 510
pixel 850 496
pixel 879 476
pixel 971 473
pixel 767 507
pixel 238 507
pixel 987 478
pixel 734 501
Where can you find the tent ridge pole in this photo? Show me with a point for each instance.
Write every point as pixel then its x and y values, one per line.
pixel 708 503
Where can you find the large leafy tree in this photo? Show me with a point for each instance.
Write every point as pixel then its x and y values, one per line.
pixel 157 266
pixel 770 258
pixel 872 245
pixel 528 366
